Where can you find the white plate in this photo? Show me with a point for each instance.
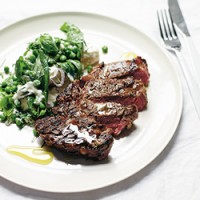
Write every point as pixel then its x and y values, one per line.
pixel 154 127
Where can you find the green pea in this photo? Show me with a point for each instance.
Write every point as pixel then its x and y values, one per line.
pixel 89 68
pixel 63 58
pixel 51 61
pixel 35 133
pixel 42 106
pixel 72 55
pixel 105 49
pixel 57 57
pixel 6 69
pixel 42 112
pixel 19 122
pixel 13 88
pixel 8 89
pixel 75 49
pixel 2 117
pixel 36 83
pixel 3 84
pixel 15 83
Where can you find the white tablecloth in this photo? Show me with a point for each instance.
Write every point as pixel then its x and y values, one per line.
pixel 175 173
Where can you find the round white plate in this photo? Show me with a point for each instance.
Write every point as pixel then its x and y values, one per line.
pixel 153 129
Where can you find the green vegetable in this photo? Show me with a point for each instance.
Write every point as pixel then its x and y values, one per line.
pixel 4 101
pixel 6 69
pixel 36 83
pixel 48 44
pixel 35 133
pixel 42 106
pixel 42 112
pixel 3 84
pixel 51 61
pixel 105 49
pixel 2 118
pixel 31 72
pixel 63 58
pixel 19 122
pixel 20 67
pixel 32 58
pixel 89 68
pixel 13 89
pixel 45 79
pixel 74 34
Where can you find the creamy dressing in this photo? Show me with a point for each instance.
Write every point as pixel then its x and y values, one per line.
pixel 52 95
pixel 84 134
pixel 104 108
pixel 57 76
pixel 26 90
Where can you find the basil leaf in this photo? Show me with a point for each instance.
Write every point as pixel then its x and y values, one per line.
pixel 48 44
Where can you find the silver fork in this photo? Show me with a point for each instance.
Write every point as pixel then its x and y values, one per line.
pixel 172 43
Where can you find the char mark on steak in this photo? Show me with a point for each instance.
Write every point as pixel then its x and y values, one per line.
pixel 108 115
pixel 73 138
pixel 125 91
pixel 137 68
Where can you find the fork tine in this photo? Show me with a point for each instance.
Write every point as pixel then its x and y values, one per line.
pixel 161 26
pixel 173 30
pixel 166 24
pixel 167 30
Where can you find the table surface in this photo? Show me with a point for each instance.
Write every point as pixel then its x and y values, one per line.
pixel 175 173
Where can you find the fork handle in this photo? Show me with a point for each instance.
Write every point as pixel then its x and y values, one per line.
pixel 193 86
pixel 194 57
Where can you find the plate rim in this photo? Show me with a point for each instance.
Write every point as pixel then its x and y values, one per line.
pixel 179 112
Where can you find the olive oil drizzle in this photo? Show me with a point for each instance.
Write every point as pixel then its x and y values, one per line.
pixel 128 56
pixel 33 154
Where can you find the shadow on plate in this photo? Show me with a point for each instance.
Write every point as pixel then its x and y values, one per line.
pixel 77 160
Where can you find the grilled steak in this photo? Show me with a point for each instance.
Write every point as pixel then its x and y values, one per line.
pixel 74 138
pixel 94 109
pixel 125 91
pixel 137 68
pixel 110 115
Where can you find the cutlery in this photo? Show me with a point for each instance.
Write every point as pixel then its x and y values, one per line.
pixel 179 20
pixel 172 43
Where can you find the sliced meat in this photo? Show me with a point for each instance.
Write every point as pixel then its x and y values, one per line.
pixel 94 109
pixel 137 68
pixel 110 115
pixel 125 91
pixel 73 138
pixel 106 114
